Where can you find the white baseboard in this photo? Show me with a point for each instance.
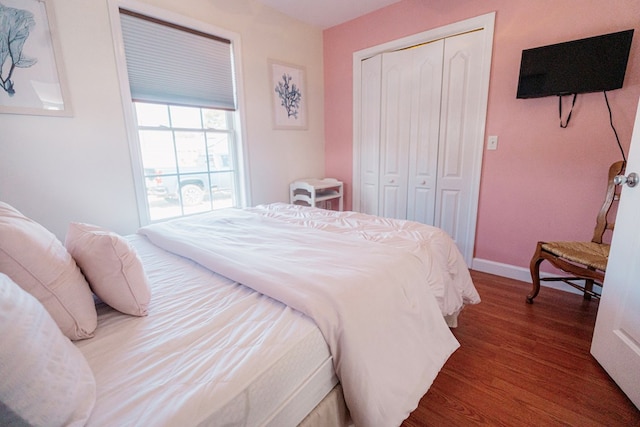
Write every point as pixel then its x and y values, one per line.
pixel 517 273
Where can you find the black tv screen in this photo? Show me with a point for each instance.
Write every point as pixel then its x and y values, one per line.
pixel 593 64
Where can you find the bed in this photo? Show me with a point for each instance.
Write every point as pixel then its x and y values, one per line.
pixel 240 328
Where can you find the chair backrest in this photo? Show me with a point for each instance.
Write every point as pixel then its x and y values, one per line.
pixel 613 195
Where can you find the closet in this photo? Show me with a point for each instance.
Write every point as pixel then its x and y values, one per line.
pixel 422 114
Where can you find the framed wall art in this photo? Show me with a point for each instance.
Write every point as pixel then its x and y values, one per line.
pixel 289 95
pixel 32 79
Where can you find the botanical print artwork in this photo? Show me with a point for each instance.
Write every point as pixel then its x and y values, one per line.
pixel 15 27
pixel 31 66
pixel 290 95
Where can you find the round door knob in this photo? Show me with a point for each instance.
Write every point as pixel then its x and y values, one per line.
pixel 631 180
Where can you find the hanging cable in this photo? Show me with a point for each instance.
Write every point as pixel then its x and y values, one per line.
pixel 613 127
pixel 563 126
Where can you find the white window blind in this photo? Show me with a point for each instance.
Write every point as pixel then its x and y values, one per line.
pixel 171 64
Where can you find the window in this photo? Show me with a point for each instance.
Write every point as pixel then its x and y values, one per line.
pixel 182 86
pixel 188 159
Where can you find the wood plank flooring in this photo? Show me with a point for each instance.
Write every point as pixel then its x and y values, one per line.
pixel 524 365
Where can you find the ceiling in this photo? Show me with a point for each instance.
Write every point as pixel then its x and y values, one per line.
pixel 326 13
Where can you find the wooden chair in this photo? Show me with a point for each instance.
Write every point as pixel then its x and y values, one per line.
pixel 585 261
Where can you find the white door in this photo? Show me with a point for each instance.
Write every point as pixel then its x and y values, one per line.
pixel 431 110
pixel 466 63
pixel 616 339
pixel 395 107
pixel 460 142
pixel 369 154
pixel 410 112
pixel 426 95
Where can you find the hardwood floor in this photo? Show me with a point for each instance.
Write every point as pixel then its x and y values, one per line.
pixel 524 365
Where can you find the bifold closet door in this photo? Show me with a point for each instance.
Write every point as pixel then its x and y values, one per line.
pixel 410 115
pixel 395 107
pixel 369 155
pixel 426 94
pixel 421 112
pixel 460 142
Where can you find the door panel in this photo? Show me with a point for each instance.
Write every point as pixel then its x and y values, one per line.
pixel 460 142
pixel 390 201
pixel 616 338
pixel 369 199
pixel 395 131
pixel 425 128
pixel 421 206
pixel 370 134
pixel 449 211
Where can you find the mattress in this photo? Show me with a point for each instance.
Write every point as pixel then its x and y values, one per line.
pixel 210 352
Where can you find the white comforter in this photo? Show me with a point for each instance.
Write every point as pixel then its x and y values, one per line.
pixel 431 244
pixel 373 302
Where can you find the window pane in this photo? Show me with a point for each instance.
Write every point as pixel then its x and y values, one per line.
pixel 219 152
pixel 191 149
pixel 223 188
pixel 185 117
pixel 202 207
pixel 215 119
pixel 194 189
pixel 155 115
pixel 160 208
pixel 157 150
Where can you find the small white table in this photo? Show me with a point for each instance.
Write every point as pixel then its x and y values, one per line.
pixel 316 192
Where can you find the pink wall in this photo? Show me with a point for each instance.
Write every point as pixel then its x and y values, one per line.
pixel 543 182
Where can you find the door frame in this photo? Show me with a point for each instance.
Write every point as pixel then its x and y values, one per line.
pixel 484 22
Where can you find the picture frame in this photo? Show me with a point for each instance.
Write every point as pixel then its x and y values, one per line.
pixel 35 84
pixel 289 95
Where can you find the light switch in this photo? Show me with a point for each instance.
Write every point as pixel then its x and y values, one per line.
pixel 492 142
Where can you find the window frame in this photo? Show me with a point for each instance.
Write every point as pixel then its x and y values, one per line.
pixel 131 125
pixel 185 172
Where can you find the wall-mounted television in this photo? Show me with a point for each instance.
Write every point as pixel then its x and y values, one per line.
pixel 594 64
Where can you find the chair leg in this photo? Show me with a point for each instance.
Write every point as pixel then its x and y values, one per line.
pixel 534 267
pixel 588 286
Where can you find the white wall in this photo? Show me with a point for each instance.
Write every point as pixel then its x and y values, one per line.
pixel 58 170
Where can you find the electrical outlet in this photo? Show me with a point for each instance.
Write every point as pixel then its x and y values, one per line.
pixel 492 142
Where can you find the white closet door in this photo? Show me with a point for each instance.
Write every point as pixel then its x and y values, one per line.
pixel 370 134
pixel 460 141
pixel 426 92
pixel 394 133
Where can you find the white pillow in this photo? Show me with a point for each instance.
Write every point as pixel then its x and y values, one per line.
pixel 36 260
pixel 111 266
pixel 46 381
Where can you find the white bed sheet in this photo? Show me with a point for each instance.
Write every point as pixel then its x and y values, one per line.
pixel 210 352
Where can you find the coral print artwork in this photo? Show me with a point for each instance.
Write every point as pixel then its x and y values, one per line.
pixel 289 97
pixel 15 27
pixel 30 64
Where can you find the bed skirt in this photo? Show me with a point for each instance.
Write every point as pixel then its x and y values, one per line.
pixel 331 411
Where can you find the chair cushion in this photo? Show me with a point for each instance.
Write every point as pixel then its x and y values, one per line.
pixel 591 254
